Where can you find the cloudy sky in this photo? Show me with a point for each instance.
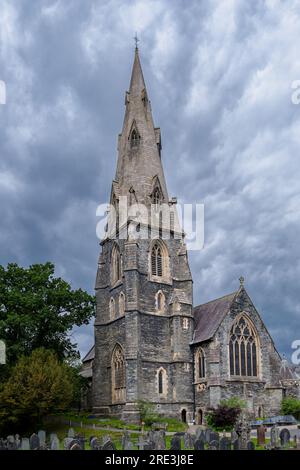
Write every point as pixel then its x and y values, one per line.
pixel 219 75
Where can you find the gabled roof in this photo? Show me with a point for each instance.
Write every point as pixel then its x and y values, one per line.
pixel 90 355
pixel 209 316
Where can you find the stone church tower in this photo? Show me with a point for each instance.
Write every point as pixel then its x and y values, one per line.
pixel 144 323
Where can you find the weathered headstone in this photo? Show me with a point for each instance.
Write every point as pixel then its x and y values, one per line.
pixel 225 443
pixel 213 445
pixel 213 436
pixel 161 440
pixel 207 435
pixel 125 440
pixel 250 445
pixel 105 439
pixel 34 442
pixel 175 443
pixel 54 443
pixel 285 436
pixel 236 444
pixel 18 441
pixel 67 442
pixel 25 445
pixel 274 436
pixel 199 444
pixel 95 443
pixel 42 436
pixel 10 443
pixel 71 433
pixel 149 445
pixel 109 445
pixel 261 435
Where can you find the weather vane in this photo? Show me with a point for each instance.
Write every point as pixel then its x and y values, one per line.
pixel 136 40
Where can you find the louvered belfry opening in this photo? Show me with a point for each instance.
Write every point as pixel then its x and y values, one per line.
pixel 156 261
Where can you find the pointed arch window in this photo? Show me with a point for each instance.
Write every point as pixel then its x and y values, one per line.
pixel 156 261
pixel 118 375
pixel 200 364
pixel 162 381
pixel 121 304
pixel 116 265
pixel 156 198
pixel 159 261
pixel 243 349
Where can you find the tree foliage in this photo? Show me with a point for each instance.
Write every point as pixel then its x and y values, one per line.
pixel 225 415
pixel 39 384
pixel 40 310
pixel 291 406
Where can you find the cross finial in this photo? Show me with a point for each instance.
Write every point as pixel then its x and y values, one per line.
pixel 136 40
pixel 242 280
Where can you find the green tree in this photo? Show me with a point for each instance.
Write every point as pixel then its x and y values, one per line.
pixel 291 406
pixel 40 310
pixel 39 384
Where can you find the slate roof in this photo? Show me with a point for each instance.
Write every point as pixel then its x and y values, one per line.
pixel 90 355
pixel 209 316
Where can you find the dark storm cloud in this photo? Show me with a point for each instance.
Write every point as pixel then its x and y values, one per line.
pixel 219 76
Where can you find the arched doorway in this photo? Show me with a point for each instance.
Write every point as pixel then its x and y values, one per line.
pixel 200 416
pixel 183 416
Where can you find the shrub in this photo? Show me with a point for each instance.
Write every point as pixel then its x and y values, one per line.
pixel 291 406
pixel 225 415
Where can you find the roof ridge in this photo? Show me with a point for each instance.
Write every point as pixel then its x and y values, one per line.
pixel 214 300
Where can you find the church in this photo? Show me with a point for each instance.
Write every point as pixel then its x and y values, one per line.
pixel 151 342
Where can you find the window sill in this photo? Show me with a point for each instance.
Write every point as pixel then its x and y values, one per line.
pixel 242 378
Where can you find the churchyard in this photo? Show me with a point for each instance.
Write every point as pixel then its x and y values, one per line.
pixel 82 438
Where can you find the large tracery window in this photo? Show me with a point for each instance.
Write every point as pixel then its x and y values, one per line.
pixel 118 375
pixel 243 349
pixel 200 364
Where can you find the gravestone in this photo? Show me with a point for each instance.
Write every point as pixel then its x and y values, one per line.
pixel 234 435
pixel 18 441
pixel 261 435
pixel 207 435
pixel 199 444
pixel 274 436
pixel 95 443
pixel 160 440
pixel 243 430
pixel 34 442
pixel 75 445
pixel 125 440
pixel 42 436
pixel 105 439
pixel 54 443
pixel 175 443
pixel 149 445
pixel 109 445
pixel 214 436
pixel 225 443
pixel 2 444
pixel 141 442
pixel 250 445
pixel 71 433
pixel 285 436
pixel 67 442
pixel 213 445
pixel 10 443
pixel 25 445
pixel 236 444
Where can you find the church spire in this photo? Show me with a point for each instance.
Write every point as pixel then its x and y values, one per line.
pixel 139 169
